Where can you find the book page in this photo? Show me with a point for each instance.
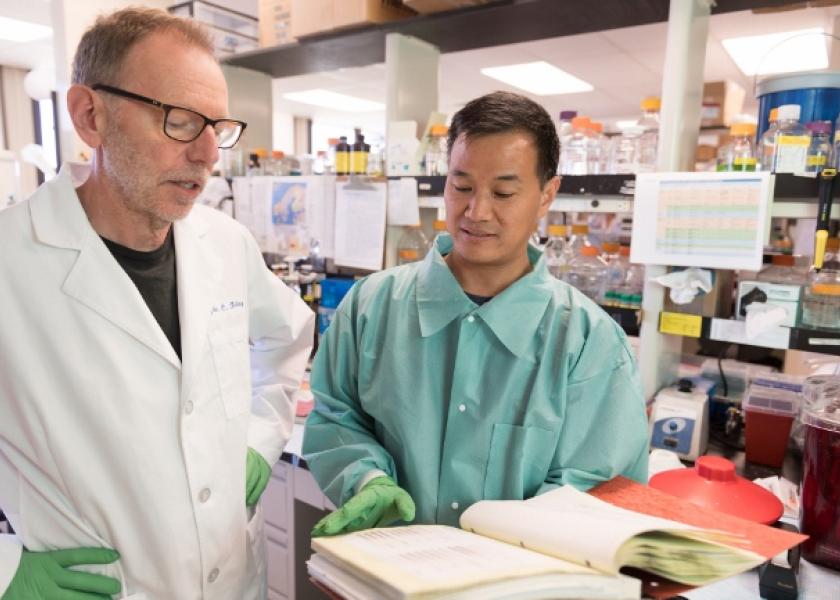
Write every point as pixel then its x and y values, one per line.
pixel 565 523
pixel 426 558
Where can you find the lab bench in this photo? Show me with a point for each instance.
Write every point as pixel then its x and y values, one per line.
pixel 293 503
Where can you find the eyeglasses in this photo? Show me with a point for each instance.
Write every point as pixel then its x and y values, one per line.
pixel 182 124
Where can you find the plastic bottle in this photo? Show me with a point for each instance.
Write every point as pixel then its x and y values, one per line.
pixel 412 245
pixel 835 161
pixel 342 156
pixel 564 127
pixel 439 226
pixel 649 140
pixel 819 151
pixel 580 238
pixel 634 282
pixel 767 143
pixel 616 272
pixel 791 141
pixel 782 270
pixel 821 299
pixel 596 158
pixel 588 273
pixel 739 153
pixel 624 153
pixel 831 259
pixel 556 251
pixel 574 154
pixel 435 157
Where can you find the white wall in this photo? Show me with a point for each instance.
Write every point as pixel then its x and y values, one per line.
pixel 70 19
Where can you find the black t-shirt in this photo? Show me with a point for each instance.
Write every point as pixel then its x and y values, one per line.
pixel 154 275
pixel 479 299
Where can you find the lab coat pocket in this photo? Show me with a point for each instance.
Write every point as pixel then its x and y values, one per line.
pixel 232 362
pixel 518 462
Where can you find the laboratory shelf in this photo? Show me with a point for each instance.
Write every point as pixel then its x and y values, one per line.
pixel 490 24
pixel 794 196
pixel 822 341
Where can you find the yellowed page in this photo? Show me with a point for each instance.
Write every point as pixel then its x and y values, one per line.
pixel 565 523
pixel 420 559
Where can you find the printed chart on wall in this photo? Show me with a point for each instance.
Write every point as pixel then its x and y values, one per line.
pixel 716 220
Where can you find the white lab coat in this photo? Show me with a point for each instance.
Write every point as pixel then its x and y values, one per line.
pixel 106 438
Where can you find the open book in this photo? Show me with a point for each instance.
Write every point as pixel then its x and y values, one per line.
pixel 562 544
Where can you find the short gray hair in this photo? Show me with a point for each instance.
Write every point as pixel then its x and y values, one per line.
pixel 104 46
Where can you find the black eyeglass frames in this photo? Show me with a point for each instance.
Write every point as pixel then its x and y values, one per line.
pixel 182 124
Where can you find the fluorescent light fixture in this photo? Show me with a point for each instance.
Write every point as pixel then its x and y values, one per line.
pixel 334 100
pixel 785 52
pixel 539 78
pixel 14 30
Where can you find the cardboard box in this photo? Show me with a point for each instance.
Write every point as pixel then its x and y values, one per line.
pixel 433 6
pixel 722 100
pixel 319 16
pixel 275 22
pixel 349 13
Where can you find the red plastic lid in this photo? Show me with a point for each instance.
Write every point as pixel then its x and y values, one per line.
pixel 712 483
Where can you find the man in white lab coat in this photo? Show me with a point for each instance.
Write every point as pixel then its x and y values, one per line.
pixel 146 354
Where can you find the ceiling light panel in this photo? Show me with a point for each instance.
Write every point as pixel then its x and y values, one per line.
pixel 15 30
pixel 334 100
pixel 784 52
pixel 539 78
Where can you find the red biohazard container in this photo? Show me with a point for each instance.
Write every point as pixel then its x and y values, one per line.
pixel 769 414
pixel 713 483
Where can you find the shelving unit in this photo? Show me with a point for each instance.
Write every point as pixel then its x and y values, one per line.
pixel 492 24
pixel 724 330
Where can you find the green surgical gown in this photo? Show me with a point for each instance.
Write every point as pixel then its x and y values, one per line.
pixel 535 389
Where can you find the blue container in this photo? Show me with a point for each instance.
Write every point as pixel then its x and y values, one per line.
pixel 816 92
pixel 333 290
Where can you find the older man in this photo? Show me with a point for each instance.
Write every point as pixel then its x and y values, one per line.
pixel 147 353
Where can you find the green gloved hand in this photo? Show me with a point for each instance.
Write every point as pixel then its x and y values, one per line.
pixel 257 474
pixel 46 576
pixel 380 502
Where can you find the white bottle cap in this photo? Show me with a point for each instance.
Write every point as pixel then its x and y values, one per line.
pixel 789 112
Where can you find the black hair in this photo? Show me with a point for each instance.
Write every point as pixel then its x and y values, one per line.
pixel 502 112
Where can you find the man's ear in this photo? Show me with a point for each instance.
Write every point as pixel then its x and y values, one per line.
pixel 547 195
pixel 88 113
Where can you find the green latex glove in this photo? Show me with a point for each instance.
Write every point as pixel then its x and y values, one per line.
pixel 46 576
pixel 380 502
pixel 257 474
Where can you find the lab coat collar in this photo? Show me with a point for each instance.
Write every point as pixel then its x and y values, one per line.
pixel 97 280
pixel 58 218
pixel 513 315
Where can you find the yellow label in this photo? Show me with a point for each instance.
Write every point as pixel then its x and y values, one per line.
pixel 680 324
pixel 359 162
pixel 342 162
pixel 744 161
pixel 793 140
pixel 815 161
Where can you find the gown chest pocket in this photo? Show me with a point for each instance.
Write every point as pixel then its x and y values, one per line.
pixel 232 362
pixel 520 457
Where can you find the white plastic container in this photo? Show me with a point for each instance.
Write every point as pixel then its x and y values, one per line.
pixel 791 141
pixel 588 273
